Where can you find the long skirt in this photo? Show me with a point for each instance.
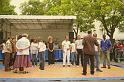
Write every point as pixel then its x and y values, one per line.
pixel 22 61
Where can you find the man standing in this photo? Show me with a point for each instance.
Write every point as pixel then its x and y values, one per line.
pixel 97 56
pixel 89 52
pixel 79 47
pixel 105 46
pixel 8 51
pixel 66 51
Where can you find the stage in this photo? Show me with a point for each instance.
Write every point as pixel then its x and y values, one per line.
pixel 58 72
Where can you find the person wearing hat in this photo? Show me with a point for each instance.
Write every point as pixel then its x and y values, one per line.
pixel 22 57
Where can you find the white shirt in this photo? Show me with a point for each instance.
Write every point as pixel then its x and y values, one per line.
pixel 79 44
pixel 8 47
pixel 66 44
pixel 96 48
pixel 34 48
pixel 23 43
pixel 4 48
pixel 41 46
pixel 73 47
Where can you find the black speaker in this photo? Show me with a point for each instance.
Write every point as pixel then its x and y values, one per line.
pixel 71 36
pixel 1 36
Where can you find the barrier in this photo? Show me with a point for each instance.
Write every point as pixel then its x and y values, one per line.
pixel 57 54
pixel 1 55
pixel 119 55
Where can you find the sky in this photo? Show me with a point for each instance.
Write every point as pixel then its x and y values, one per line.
pixel 17 4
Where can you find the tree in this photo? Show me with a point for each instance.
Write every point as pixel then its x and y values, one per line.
pixel 72 7
pixel 110 14
pixel 33 7
pixel 6 8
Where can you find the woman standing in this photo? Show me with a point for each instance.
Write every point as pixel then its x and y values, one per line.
pixel 50 46
pixel 34 51
pixel 22 58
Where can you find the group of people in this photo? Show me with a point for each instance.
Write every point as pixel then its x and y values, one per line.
pixel 88 50
pixel 20 53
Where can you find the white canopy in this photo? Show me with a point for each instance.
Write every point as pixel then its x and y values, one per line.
pixel 37 21
pixel 36 25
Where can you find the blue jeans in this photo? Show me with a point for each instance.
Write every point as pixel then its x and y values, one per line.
pixel 97 59
pixel 42 59
pixel 73 58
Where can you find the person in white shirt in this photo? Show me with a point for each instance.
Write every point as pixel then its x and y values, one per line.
pixel 3 49
pixel 97 62
pixel 66 51
pixel 73 52
pixel 79 48
pixel 34 51
pixel 42 49
pixel 22 57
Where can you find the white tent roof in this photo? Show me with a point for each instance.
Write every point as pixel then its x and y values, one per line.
pixel 35 17
pixel 37 21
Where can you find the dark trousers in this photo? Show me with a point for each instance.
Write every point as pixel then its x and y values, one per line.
pixel 12 59
pixel 86 59
pixel 34 59
pixel 3 58
pixel 42 60
pixel 51 57
pixel 7 61
pixel 79 54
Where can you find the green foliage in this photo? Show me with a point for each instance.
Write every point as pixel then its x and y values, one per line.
pixel 33 7
pixel 109 12
pixel 6 8
pixel 78 8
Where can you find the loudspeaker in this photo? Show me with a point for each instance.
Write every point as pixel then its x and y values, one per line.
pixel 71 36
pixel 1 36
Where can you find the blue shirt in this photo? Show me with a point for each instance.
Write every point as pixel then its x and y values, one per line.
pixel 105 45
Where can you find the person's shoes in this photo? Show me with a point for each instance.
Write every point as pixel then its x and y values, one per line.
pixel 24 72
pixel 63 65
pixel 41 68
pixel 99 70
pixel 68 65
pixel 103 67
pixel 15 71
pixel 83 73
pixel 77 65
pixel 72 63
pixel 109 67
pixel 7 70
pixel 92 73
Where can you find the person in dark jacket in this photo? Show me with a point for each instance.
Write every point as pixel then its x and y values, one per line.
pixel 89 52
